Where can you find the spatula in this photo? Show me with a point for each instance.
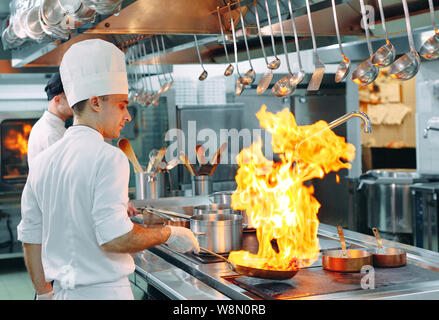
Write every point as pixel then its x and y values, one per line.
pixel 158 159
pixel 216 159
pixel 201 154
pixel 317 76
pixel 125 146
pixel 190 168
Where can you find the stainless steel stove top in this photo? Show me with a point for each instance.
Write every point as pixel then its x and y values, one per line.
pixel 420 275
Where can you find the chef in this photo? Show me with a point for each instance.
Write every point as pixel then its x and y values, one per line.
pixel 75 199
pixel 51 126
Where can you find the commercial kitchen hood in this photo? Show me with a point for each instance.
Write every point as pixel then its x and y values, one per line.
pixel 179 20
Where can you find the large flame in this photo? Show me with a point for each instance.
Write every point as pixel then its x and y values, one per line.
pixel 279 205
pixel 18 140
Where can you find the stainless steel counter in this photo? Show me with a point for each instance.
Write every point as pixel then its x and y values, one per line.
pixel 178 276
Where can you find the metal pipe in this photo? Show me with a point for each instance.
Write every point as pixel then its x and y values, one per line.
pixel 341 120
pixel 359 114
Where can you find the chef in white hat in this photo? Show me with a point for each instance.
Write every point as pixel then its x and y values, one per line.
pixel 51 126
pixel 74 221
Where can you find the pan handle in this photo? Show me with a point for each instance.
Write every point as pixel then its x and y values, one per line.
pixel 343 243
pixel 164 216
pixel 215 254
pixel 377 236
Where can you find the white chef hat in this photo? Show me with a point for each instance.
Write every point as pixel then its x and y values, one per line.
pixel 93 68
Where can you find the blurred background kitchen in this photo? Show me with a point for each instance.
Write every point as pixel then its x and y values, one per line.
pixel 392 184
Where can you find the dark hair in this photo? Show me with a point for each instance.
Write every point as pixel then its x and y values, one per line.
pixel 54 86
pixel 80 106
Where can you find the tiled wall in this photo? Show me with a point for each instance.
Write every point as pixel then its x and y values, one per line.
pixel 427 107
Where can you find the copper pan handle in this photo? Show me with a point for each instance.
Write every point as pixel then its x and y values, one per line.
pixel 343 243
pixel 377 236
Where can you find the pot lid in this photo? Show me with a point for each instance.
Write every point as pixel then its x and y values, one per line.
pixel 399 176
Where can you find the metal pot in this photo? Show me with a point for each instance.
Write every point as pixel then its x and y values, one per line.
pixel 222 197
pixel 214 209
pixel 220 233
pixel 150 185
pixel 389 206
pixel 201 185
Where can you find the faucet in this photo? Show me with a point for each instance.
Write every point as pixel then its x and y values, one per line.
pixel 359 114
pixel 343 119
pixel 429 128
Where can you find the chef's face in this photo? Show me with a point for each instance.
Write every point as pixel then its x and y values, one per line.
pixel 114 114
pixel 63 106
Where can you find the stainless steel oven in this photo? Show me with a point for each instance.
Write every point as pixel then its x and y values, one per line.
pixel 15 129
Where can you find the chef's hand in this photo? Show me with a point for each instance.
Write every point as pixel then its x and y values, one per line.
pixel 182 240
pixel 132 210
pixel 46 296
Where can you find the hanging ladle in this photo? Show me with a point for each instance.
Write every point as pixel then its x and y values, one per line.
pixel 146 99
pixel 365 73
pixel 274 64
pixel 229 70
pixel 167 64
pixel 268 75
pixel 430 48
pixel 385 55
pixel 298 76
pixel 155 100
pixel 203 75
pixel 250 75
pixel 239 85
pixel 283 87
pixel 407 66
pixel 345 64
pixel 166 84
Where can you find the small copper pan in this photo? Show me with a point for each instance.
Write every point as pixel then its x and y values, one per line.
pixel 387 257
pixel 343 260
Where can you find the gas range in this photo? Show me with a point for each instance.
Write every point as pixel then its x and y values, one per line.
pixel 420 273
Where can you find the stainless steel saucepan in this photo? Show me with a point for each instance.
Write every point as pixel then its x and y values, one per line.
pixel 220 233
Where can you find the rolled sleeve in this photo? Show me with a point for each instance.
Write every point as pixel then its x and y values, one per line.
pixel 30 228
pixel 111 198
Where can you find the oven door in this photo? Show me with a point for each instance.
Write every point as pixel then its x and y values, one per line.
pixel 15 129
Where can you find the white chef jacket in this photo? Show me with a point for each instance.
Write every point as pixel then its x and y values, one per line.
pixel 75 199
pixel 45 132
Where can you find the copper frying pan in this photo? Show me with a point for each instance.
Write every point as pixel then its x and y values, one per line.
pixel 343 260
pixel 256 272
pixel 387 257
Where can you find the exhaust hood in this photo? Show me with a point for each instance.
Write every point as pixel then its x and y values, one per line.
pixel 179 20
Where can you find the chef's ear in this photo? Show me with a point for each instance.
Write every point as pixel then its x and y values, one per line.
pixel 94 103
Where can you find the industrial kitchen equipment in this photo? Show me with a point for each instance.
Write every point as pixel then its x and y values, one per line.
pixel 388 201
